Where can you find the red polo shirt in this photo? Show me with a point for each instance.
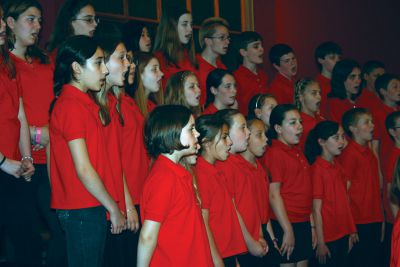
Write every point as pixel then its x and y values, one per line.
pixel 388 172
pixel 330 187
pixel 395 246
pixel 325 85
pixel 204 69
pixel 210 109
pixel 75 116
pixel 168 198
pixel 223 219
pixel 309 123
pixel 283 89
pixel 368 100
pixel 337 107
pixel 288 166
pixel 248 85
pixel 241 190
pixel 135 160
pixel 361 169
pixel 10 92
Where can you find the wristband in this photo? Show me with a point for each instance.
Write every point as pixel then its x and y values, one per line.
pixel 38 135
pixel 28 158
pixel 3 160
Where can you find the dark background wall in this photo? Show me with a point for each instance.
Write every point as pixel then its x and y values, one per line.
pixel 365 29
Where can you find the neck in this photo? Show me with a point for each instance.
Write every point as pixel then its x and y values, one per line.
pixel 207 157
pixel 247 155
pixel 326 74
pixel 249 65
pixel 327 156
pixel 82 88
pixel 174 157
pixel 397 142
pixel 360 141
pixel 210 56
pixel 19 50
pixel 287 77
pixel 219 105
pixel 283 141
pixel 307 111
pixel 389 103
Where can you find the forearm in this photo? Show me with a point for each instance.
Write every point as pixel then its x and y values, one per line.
pixel 213 247
pixel 24 139
pixel 147 242
pixel 319 227
pixel 128 197
pixel 279 209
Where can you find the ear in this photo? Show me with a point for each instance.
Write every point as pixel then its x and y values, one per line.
pixel 321 142
pixel 382 91
pixel 10 22
pixel 320 60
pixel 214 90
pixel 243 52
pixel 352 129
pixel 278 128
pixel 207 42
pixel 76 68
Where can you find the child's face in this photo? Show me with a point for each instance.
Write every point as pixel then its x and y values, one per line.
pixel 226 91
pixel 372 76
pixel 329 62
pixel 220 40
pixel 254 52
pixel 192 91
pixel 353 82
pixel 221 144
pixel 27 27
pixel 152 76
pixel 392 93
pixel 2 28
pixel 265 112
pixel 85 22
pixel 311 98
pixel 239 134
pixel 395 131
pixel 291 129
pixel 288 65
pixel 334 144
pixel 184 28
pixel 258 139
pixel 145 41
pixel 364 129
pixel 93 74
pixel 189 136
pixel 117 66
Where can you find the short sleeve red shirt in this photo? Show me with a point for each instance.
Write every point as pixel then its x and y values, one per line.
pixel 204 69
pixel 329 186
pixel 210 109
pixel 289 167
pixel 388 171
pixel 223 220
pixel 361 169
pixel 168 198
pixel 283 89
pixel 75 116
pixel 135 160
pixel 241 189
pixel 337 107
pixel 395 246
pixel 309 123
pixel 37 94
pixel 10 92
pixel 325 85
pixel 368 100
pixel 249 84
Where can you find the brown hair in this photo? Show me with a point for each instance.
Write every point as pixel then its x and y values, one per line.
pixel 207 28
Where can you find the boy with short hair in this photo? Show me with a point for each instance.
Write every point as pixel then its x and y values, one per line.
pixel 369 98
pixel 326 55
pixel 283 59
pixel 362 171
pixel 250 78
pixel 214 41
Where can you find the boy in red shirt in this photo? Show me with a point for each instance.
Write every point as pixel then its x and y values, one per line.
pixel 369 98
pixel 250 78
pixel 283 59
pixel 326 56
pixel 362 174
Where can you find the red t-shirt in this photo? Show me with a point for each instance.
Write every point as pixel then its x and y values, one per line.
pixel 37 94
pixel 388 171
pixel 329 186
pixel 395 247
pixel 210 109
pixel 288 166
pixel 223 219
pixel 135 160
pixel 171 69
pixel 368 100
pixel 249 84
pixel 169 198
pixel 283 89
pixel 309 123
pixel 361 169
pixel 337 107
pixel 240 187
pixel 204 69
pixel 75 116
pixel 10 92
pixel 325 85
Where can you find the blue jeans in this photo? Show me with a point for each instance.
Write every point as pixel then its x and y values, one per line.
pixel 85 233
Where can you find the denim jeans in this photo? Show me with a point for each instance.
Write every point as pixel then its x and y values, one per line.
pixel 85 233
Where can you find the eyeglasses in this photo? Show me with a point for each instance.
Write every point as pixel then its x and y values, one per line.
pixel 221 38
pixel 90 20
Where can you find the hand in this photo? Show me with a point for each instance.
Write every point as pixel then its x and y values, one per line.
pixel 27 169
pixel 37 147
pixel 263 243
pixel 314 237
pixel 12 167
pixel 353 239
pixel 117 222
pixel 132 219
pixel 322 252
pixel 288 242
pixel 256 249
pixel 275 241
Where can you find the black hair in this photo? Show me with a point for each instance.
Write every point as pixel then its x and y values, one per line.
pixel 277 51
pixel 208 127
pixel 132 32
pixel 214 79
pixel 257 101
pixel 390 121
pixel 383 81
pixel 226 115
pixel 277 116
pixel 340 73
pixel 325 49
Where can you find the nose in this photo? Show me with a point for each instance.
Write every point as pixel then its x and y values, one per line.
pixel 229 141
pixel 196 133
pixel 104 69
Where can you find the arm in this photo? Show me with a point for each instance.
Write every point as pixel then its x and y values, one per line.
pixel 272 235
pixel 92 182
pixel 24 144
pixel 132 218
pixel 279 209
pixel 217 260
pixel 393 207
pixel 10 166
pixel 322 249
pixel 147 242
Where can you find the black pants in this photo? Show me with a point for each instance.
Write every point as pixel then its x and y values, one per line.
pixel 339 253
pixel 365 253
